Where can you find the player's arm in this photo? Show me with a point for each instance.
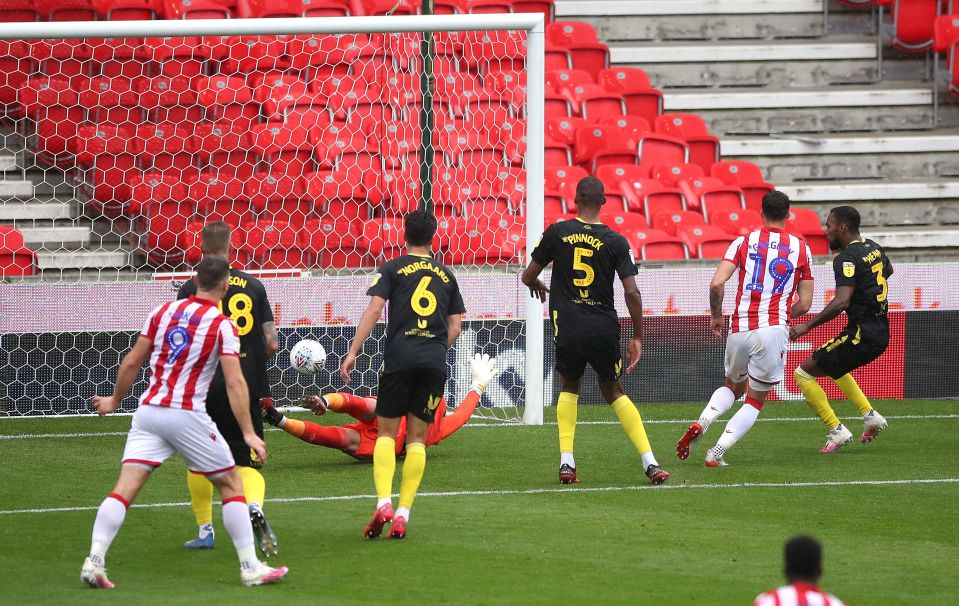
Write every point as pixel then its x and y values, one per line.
pixel 717 290
pixel 634 304
pixel 129 367
pixel 530 278
pixel 483 368
pixel 887 270
pixel 271 342
pixel 804 292
pixel 370 317
pixel 239 395
pixel 454 325
pixel 838 305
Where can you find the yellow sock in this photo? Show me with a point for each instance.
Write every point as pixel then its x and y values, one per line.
pixel 413 469
pixel 816 398
pixel 201 497
pixel 384 464
pixel 632 423
pixel 566 419
pixel 254 486
pixel 849 387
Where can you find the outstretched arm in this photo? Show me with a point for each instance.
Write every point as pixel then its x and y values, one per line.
pixel 127 374
pixel 483 368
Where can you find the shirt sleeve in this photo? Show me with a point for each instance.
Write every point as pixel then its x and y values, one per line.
pixel 625 266
pixel 733 252
pixel 229 338
pixel 765 599
pixel 543 253
pixel 382 283
pixel 456 301
pixel 151 324
pixel 804 271
pixel 187 289
pixel 845 268
pixel 266 310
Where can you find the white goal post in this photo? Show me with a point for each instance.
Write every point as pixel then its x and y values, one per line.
pixel 531 23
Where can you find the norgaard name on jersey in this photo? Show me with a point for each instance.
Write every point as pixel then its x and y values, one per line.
pixel 418 265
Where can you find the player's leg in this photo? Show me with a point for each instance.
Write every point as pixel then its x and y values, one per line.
pixel 201 502
pixel 340 438
pixel 834 359
pixel 393 403
pixel 358 407
pixel 145 450
pixel 766 362
pixel 868 345
pixel 632 423
pixel 570 364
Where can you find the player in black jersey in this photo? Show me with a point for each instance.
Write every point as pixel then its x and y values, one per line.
pixel 862 269
pixel 424 320
pixel 586 256
pixel 247 305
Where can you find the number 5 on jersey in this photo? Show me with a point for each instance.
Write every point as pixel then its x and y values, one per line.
pixel 423 301
pixel 580 265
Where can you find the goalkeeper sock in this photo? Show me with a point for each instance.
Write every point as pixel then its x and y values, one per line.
pixel 850 388
pixel 254 486
pixel 816 398
pixel 321 435
pixel 201 498
pixel 721 401
pixel 566 420
pixel 632 424
pixel 413 468
pixel 384 465
pixel 110 517
pixel 357 407
pixel 236 520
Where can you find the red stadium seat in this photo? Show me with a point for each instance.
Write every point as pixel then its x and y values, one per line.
pixel 15 258
pixel 557 57
pixel 592 102
pixel 324 55
pixel 674 174
pixel 557 153
pixel 633 84
pixel 128 10
pixel 150 188
pixel 164 147
pixel 559 80
pixel 564 129
pixel 18 11
pixel 281 197
pixel 288 150
pixel 912 24
pixel 17 66
pixel 703 147
pixel 747 176
pixel 53 105
pixel 266 244
pixel 706 241
pixel 737 222
pixel 652 197
pixel 222 146
pixel 259 9
pixel 805 222
pixel 710 195
pixel 556 106
pixel 221 197
pixel 178 56
pixel 624 222
pixel 655 245
pixel 588 53
pixel 535 6
pixel 228 99
pixel 633 127
pixel 335 244
pixel 488 7
pixel 109 153
pixel 672 222
pixel 946 40
pixel 653 149
pixel 197 9
pixel 613 176
pixel 599 145
pixel 564 179
pixel 385 238
pixel 343 201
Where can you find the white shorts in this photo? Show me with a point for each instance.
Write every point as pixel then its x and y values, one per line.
pixel 159 432
pixel 759 354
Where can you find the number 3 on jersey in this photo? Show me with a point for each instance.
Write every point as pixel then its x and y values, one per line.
pixel 240 307
pixel 423 301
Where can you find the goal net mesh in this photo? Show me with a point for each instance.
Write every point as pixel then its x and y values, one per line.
pixel 309 146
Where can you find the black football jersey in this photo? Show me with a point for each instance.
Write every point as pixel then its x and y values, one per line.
pixel 422 293
pixel 247 305
pixel 586 258
pixel 864 266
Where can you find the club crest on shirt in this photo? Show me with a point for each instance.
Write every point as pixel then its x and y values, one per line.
pixel 848 269
pixel 376 278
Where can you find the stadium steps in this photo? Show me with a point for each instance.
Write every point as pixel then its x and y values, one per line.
pixel 900 155
pixel 77 258
pixel 700 19
pixel 839 60
pixel 886 106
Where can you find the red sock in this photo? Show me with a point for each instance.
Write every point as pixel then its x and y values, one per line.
pixel 357 407
pixel 754 403
pixel 333 437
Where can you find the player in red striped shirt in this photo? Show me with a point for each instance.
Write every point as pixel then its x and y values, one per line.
pixel 803 569
pixel 773 265
pixel 183 341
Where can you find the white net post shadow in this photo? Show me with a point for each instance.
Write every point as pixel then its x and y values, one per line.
pixel 305 135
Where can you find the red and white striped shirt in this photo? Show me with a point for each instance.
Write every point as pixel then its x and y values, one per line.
pixel 771 264
pixel 189 336
pixel 798 594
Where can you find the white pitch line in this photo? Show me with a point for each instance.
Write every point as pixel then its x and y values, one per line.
pixel 535 491
pixel 95 434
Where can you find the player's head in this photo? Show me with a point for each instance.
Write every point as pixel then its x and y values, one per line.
pixel 775 207
pixel 842 226
pixel 420 226
pixel 590 194
pixel 213 277
pixel 803 559
pixel 215 239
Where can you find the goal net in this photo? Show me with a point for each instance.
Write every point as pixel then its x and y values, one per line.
pixel 311 138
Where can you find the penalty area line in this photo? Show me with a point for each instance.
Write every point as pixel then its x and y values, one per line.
pixel 536 491
pixel 97 434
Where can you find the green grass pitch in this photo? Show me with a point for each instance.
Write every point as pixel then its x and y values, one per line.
pixel 493 526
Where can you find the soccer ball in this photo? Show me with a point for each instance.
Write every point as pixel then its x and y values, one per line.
pixel 307 356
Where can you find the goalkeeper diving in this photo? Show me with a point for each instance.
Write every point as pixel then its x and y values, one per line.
pixel 359 439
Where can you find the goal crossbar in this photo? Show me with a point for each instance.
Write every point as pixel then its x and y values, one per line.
pixel 533 23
